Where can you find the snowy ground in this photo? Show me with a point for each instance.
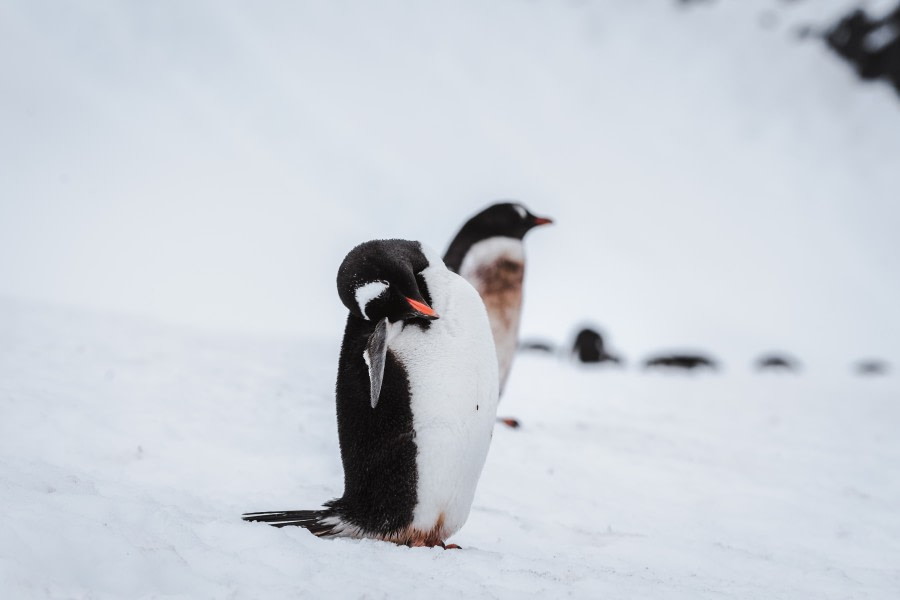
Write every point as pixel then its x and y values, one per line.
pixel 128 449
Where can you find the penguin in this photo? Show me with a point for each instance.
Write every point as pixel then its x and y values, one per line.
pixel 871 366
pixel 687 362
pixel 541 346
pixel 489 253
pixel 589 347
pixel 417 391
pixel 777 362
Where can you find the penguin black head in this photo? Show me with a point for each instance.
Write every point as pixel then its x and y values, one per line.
pixel 503 219
pixel 382 279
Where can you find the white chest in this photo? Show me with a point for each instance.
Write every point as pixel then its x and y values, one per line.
pixel 496 268
pixel 453 381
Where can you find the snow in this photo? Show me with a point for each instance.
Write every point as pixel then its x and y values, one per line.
pixel 129 449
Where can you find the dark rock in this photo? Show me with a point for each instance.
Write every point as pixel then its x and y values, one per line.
pixel 872 46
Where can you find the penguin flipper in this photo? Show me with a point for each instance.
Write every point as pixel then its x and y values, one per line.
pixel 375 356
pixel 316 521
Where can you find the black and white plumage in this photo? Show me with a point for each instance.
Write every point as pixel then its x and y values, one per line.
pixel 589 347
pixel 416 399
pixel 488 252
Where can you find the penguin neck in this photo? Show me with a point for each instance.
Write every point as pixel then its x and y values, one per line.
pixel 496 269
pixel 495 260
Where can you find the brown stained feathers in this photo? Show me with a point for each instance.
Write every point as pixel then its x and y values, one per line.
pixel 504 275
pixel 500 286
pixel 408 536
pixel 417 538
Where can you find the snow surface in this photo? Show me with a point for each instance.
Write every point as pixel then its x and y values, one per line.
pixel 128 450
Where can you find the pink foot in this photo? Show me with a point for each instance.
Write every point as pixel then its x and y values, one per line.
pixel 510 422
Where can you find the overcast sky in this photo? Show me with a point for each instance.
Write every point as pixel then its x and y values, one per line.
pixel 715 184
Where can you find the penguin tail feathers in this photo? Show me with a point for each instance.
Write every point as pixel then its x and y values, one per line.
pixel 318 522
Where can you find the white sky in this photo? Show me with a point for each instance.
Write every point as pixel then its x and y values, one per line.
pixel 715 184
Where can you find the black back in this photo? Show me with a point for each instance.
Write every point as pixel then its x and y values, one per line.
pixel 681 361
pixel 871 366
pixel 871 45
pixel 537 346
pixel 506 219
pixel 589 347
pixel 378 448
pixel 776 362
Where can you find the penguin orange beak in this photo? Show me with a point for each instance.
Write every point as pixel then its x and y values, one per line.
pixel 422 308
pixel 542 221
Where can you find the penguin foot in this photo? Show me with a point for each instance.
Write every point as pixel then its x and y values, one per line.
pixel 510 422
pixel 438 544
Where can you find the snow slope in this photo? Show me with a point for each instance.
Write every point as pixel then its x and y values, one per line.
pixel 129 448
pixel 716 183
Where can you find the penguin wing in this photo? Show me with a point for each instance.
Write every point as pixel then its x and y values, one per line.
pixel 375 355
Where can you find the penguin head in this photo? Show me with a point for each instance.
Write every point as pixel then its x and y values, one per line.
pixel 383 279
pixel 506 219
pixel 500 220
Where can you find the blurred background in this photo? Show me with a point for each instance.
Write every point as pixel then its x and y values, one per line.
pixel 720 178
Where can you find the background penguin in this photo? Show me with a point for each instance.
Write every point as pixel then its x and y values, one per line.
pixel 488 252
pixel 417 393
pixel 541 346
pixel 871 366
pixel 589 347
pixel 688 362
pixel 777 362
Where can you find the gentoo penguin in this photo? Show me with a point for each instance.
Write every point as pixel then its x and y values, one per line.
pixel 776 362
pixel 417 395
pixel 589 347
pixel 687 362
pixel 488 251
pixel 871 366
pixel 537 346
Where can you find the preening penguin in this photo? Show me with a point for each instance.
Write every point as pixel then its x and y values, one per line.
pixel 488 252
pixel 417 392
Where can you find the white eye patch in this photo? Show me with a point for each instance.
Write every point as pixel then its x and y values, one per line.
pixel 521 210
pixel 368 292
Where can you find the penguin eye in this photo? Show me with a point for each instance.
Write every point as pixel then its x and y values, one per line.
pixel 368 292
